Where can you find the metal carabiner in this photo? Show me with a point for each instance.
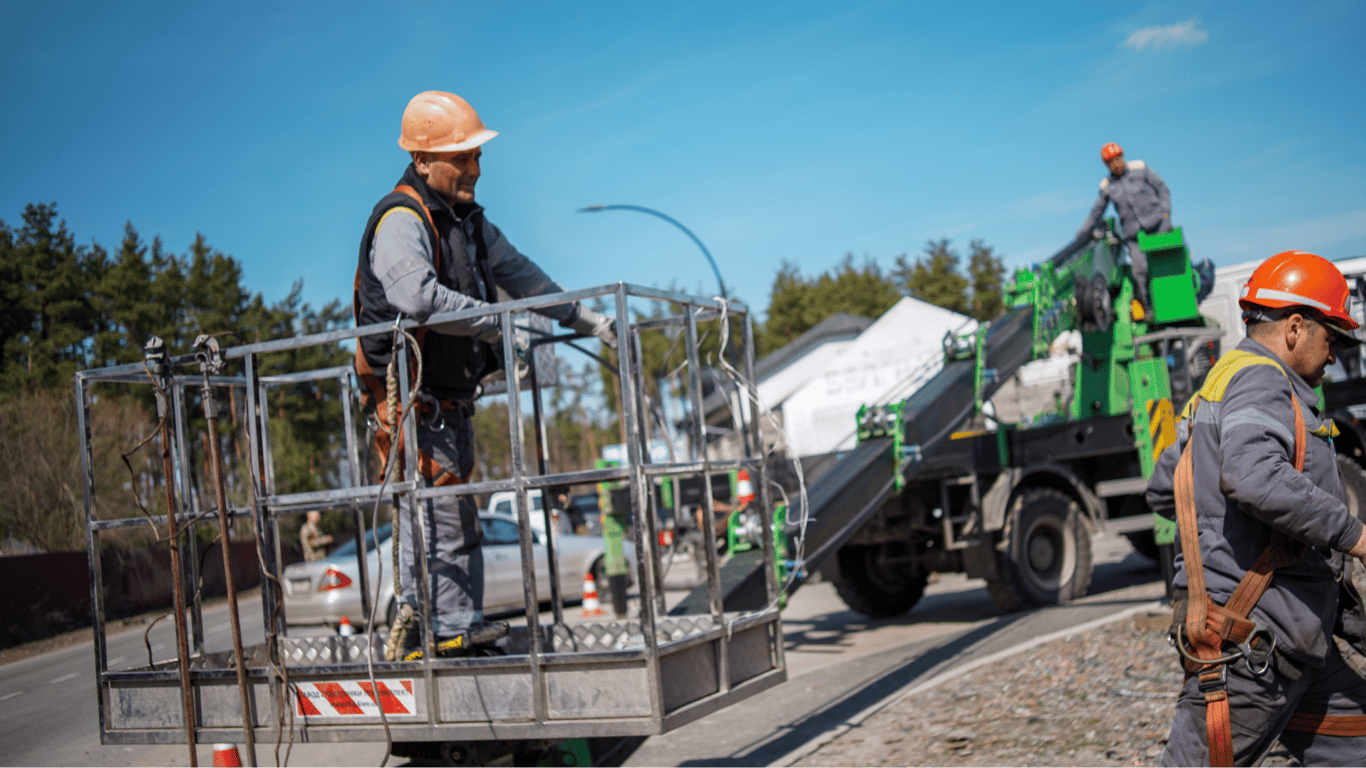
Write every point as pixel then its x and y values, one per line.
pixel 437 422
pixel 1262 657
pixel 1181 647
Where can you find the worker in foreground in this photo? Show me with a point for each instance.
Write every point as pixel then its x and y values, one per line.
pixel 1143 203
pixel 1265 537
pixel 428 248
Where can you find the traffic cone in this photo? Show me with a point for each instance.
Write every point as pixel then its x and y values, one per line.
pixel 225 755
pixel 744 489
pixel 591 606
pixel 344 627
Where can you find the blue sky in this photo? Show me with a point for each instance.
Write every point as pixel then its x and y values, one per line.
pixel 797 130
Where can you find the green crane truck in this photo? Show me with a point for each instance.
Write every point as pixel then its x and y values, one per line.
pixel 932 487
pixel 1017 504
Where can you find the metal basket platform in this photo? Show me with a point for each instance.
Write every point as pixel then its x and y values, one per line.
pixel 558 680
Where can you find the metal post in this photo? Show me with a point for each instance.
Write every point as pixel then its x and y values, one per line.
pixel 92 551
pixel 700 438
pixel 211 361
pixel 352 466
pixel 155 354
pixel 708 512
pixel 190 554
pixel 543 467
pixel 420 529
pixel 630 413
pixel 540 705
pixel 648 511
pixel 257 422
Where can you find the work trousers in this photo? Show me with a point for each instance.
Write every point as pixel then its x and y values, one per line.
pixel 1260 706
pixel 455 560
pixel 1138 260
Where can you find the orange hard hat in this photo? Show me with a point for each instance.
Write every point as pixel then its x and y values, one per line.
pixel 437 121
pixel 1110 150
pixel 1300 279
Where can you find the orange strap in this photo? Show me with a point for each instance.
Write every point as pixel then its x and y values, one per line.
pixel 1328 725
pixel 1207 632
pixel 374 394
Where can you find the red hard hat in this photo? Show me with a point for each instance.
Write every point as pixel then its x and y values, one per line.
pixel 1299 279
pixel 1110 150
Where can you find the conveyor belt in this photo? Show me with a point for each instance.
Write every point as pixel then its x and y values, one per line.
pixel 861 482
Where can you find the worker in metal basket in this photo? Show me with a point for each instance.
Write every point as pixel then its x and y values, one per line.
pixel 1265 537
pixel 429 248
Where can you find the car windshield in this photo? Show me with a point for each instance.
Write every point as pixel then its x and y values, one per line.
pixel 349 548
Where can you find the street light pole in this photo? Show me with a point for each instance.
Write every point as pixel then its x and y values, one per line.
pixel 671 220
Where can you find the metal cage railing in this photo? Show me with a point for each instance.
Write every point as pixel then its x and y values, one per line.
pixel 636 677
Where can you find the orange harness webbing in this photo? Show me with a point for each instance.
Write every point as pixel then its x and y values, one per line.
pixel 374 395
pixel 1208 625
pixel 1328 725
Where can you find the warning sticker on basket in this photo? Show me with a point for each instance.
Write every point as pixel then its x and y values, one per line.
pixel 356 698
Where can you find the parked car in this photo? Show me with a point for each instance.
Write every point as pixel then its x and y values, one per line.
pixel 501 503
pixel 323 591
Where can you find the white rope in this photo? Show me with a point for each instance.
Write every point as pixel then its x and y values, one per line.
pixel 742 384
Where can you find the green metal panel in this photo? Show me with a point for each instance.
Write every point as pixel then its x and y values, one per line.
pixel 1170 275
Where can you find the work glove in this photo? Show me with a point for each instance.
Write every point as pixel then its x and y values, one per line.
pixel 521 346
pixel 521 340
pixel 591 323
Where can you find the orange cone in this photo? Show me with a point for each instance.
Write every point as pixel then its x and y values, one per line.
pixel 744 489
pixel 344 627
pixel 591 605
pixel 225 755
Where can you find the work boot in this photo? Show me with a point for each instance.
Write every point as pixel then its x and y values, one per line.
pixel 479 640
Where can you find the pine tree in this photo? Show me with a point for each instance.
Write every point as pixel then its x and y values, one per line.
pixel 797 304
pixel 986 271
pixel 53 329
pixel 934 277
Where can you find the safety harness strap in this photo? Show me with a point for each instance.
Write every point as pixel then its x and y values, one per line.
pixel 1209 626
pixel 374 394
pixel 1328 725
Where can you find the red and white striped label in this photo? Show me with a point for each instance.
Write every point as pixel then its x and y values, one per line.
pixel 356 698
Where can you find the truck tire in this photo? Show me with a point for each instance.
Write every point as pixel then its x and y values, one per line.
pixel 1354 483
pixel 871 585
pixel 1053 542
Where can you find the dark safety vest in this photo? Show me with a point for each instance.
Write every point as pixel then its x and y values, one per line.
pixel 452 365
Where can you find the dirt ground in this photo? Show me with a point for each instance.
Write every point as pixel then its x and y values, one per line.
pixel 1102 697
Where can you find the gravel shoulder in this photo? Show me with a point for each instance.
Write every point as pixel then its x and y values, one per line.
pixel 1102 696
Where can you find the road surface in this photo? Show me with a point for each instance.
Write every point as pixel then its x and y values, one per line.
pixel 839 664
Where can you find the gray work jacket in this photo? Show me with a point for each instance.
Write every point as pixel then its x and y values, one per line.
pixel 1141 199
pixel 1246 485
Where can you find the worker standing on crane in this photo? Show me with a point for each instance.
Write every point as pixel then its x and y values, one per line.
pixel 428 248
pixel 1265 536
pixel 1143 203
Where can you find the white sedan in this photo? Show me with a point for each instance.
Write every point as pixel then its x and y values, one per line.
pixel 323 591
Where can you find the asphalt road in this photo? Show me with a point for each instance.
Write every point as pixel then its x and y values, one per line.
pixel 839 664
